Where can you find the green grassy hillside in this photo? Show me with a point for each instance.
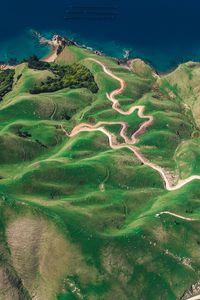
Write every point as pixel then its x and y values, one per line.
pixel 78 218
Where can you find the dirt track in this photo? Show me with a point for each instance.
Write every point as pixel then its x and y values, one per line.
pixel 129 143
pixel 175 215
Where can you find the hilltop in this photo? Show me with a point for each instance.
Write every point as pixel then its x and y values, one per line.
pixel 99 187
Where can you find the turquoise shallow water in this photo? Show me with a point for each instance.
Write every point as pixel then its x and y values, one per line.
pixel 25 44
pixel 21 46
pixel 163 32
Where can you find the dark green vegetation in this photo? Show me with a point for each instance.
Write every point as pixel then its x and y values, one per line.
pixel 6 82
pixel 74 77
pixel 77 219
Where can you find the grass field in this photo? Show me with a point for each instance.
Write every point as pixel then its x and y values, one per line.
pixel 78 218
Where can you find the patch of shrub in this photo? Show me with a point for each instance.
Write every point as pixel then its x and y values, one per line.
pixel 6 82
pixel 70 76
pixel 35 63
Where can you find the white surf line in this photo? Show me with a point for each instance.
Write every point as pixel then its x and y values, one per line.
pixel 112 140
pixel 175 215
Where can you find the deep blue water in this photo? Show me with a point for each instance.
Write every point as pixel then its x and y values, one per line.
pixel 163 32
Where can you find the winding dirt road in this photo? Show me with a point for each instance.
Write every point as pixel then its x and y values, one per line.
pixel 129 143
pixel 174 215
pixel 194 298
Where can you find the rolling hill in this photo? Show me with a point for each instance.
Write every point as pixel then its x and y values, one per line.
pixel 90 210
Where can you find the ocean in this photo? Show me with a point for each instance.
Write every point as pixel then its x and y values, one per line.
pixel 162 32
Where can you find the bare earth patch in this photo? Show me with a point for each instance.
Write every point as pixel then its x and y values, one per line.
pixel 42 257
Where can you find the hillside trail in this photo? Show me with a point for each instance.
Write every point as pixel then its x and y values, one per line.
pixel 174 215
pixel 194 298
pixel 129 142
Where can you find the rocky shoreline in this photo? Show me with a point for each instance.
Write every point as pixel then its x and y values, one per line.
pixel 58 43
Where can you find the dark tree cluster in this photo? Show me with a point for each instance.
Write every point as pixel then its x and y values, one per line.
pixel 6 82
pixel 35 63
pixel 69 76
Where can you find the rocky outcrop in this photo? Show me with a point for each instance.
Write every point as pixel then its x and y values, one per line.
pixel 60 43
pixel 57 42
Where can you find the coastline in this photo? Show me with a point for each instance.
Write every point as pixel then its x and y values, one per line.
pixel 52 56
pixel 6 67
pixel 53 44
pixel 32 42
pixel 58 43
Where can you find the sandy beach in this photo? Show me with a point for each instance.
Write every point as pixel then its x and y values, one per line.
pixel 52 56
pixel 57 44
pixel 6 67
